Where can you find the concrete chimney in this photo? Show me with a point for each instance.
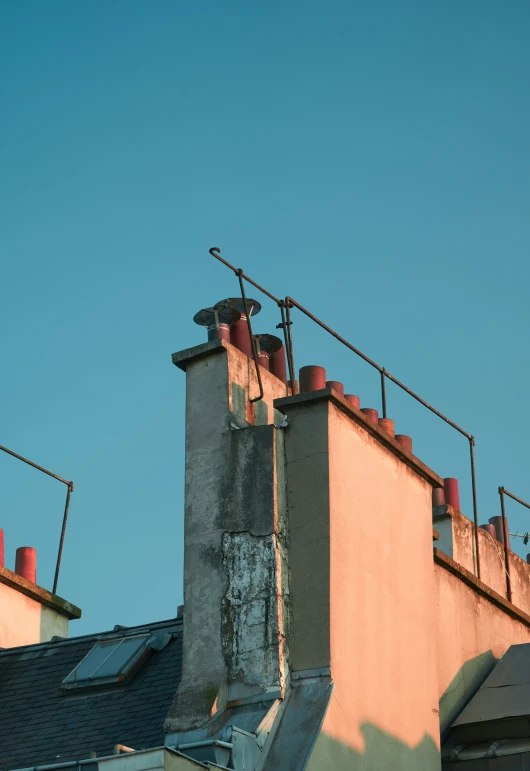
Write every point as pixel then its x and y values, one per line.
pixel 308 547
pixel 236 599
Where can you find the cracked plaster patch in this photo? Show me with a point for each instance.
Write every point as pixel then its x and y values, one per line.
pixel 250 633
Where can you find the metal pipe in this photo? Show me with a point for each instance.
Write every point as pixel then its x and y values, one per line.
pixel 294 304
pixel 515 498
pixel 61 542
pixel 506 547
pixel 475 507
pixel 383 392
pixel 65 516
pixel 290 362
pixel 240 275
pixel 30 463
pixel 290 337
pixel 216 252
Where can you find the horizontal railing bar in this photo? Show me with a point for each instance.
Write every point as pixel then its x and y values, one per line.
pixel 35 465
pixel 515 498
pixel 382 370
pixel 215 252
pixel 333 333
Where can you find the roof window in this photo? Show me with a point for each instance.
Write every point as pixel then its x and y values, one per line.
pixel 109 661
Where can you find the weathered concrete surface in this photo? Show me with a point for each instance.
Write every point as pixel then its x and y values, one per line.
pixel 252 637
pixel 233 519
pixel 30 614
pixel 362 601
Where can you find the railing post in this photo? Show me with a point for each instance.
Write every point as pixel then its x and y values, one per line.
pixel 239 273
pixel 383 391
pixel 506 549
pixel 61 542
pixel 475 507
pixel 290 336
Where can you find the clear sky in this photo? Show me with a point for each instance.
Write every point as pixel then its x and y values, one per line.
pixel 369 159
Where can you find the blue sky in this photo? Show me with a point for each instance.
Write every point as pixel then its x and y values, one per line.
pixel 369 159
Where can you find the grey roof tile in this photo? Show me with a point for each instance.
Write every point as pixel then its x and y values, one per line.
pixel 40 724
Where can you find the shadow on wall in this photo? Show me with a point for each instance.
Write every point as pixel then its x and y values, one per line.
pixel 383 752
pixel 463 687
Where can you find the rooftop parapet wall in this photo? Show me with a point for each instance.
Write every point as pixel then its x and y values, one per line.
pixel 30 614
pixel 457 541
pixel 362 577
pixel 474 627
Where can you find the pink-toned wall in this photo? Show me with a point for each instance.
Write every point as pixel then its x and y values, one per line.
pixel 381 587
pixel 457 541
pixel 362 586
pixel 19 618
pixel 24 621
pixel 471 634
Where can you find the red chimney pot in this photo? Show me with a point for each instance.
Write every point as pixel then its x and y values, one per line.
pixel 277 364
pixel 312 378
pixel 405 441
pixel 438 496
pixel 26 563
pixel 353 400
pixel 387 425
pixel 336 386
pixel 497 524
pixel 371 414
pixel 489 529
pixel 451 492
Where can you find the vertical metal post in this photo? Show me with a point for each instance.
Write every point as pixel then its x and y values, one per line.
pixel 286 337
pixel 252 341
pixel 475 507
pixel 61 542
pixel 290 336
pixel 506 549
pixel 383 391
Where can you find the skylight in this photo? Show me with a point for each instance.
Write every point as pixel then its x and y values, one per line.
pixel 108 661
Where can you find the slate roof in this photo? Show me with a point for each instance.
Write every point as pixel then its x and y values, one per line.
pixel 40 724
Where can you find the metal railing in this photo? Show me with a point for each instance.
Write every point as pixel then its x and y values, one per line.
pixel 502 493
pixel 286 324
pixel 70 490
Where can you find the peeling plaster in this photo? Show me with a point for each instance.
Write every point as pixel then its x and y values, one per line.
pixel 251 637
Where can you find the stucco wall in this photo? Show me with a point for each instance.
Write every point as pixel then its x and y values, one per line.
pixel 471 634
pixel 362 588
pixel 24 621
pixel 382 615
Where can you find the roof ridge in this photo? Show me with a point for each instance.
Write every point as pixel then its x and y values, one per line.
pixel 121 631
